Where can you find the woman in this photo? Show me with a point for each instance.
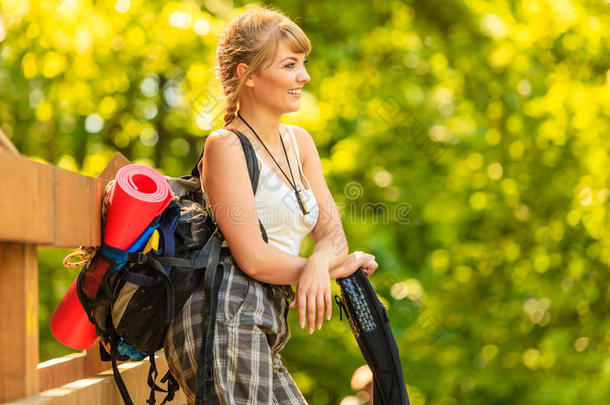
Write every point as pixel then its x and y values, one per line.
pixel 261 66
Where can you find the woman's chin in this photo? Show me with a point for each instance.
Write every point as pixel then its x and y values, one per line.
pixel 294 107
pixel 290 107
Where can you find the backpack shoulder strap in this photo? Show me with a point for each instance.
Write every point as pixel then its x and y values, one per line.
pixel 117 375
pixel 211 283
pixel 253 170
pixel 251 160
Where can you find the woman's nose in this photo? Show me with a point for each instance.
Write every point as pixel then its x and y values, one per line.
pixel 303 76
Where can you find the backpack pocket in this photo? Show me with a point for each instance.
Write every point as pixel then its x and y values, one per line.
pixel 139 313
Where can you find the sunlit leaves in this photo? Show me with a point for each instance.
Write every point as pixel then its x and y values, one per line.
pixel 512 245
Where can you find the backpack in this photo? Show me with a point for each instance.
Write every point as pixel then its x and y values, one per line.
pixel 147 285
pixel 370 325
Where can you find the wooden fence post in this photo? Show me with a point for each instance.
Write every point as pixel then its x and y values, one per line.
pixel 18 320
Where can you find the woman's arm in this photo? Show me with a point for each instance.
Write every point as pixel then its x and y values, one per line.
pixel 225 177
pixel 328 235
pixel 329 258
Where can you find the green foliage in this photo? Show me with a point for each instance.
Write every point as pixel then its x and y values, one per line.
pixel 464 142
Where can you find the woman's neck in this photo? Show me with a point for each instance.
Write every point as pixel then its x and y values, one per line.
pixel 265 123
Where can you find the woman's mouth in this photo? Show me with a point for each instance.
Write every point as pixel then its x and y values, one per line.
pixel 294 92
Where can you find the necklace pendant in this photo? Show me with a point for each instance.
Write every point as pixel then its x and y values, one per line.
pixel 301 201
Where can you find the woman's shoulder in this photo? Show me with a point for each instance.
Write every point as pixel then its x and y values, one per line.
pixel 298 131
pixel 222 139
pixel 222 145
pixel 304 140
pixel 221 134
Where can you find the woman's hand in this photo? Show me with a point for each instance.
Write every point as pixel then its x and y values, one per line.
pixel 352 262
pixel 313 292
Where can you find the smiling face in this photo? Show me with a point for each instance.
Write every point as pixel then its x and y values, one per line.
pixel 278 85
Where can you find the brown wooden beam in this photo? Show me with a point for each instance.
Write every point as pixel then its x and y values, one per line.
pixel 62 370
pixel 78 202
pixel 101 389
pixel 6 144
pixel 118 160
pixel 71 367
pixel 27 207
pixel 48 206
pixel 18 320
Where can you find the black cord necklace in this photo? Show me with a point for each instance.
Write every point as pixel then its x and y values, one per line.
pixel 298 191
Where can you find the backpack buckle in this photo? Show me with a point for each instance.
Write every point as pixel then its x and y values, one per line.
pixel 142 258
pixel 138 257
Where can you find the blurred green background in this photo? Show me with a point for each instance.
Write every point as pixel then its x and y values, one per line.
pixel 465 142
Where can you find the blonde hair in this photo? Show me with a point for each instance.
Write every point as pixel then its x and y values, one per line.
pixel 252 38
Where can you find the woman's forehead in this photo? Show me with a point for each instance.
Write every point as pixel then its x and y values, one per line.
pixel 284 51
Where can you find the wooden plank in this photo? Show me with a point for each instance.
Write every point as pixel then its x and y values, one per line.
pixel 95 365
pixel 78 201
pixel 7 144
pixel 118 160
pixel 27 209
pixel 18 320
pixel 49 206
pixel 62 370
pixel 101 389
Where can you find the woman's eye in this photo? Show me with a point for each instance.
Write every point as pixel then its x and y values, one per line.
pixel 291 65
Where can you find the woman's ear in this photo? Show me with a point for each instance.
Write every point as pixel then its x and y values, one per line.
pixel 241 70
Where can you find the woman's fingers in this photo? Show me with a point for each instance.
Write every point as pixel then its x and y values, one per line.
pixel 302 303
pixel 294 299
pixel 329 304
pixel 320 308
pixel 368 264
pixel 357 260
pixel 372 265
pixel 312 294
pixel 311 306
pixel 311 310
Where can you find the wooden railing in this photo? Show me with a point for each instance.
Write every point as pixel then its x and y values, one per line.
pixel 45 206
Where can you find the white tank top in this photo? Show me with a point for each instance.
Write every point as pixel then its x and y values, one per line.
pixel 278 208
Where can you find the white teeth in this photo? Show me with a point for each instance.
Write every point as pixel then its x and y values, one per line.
pixel 295 92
